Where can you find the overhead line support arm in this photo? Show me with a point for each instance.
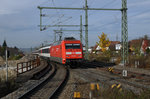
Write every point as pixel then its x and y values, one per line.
pixel 78 8
pixel 59 25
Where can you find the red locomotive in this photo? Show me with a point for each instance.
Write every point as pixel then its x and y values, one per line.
pixel 67 51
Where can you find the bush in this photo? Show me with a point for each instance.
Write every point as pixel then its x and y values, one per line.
pixel 147 62
pixel 118 60
pixel 17 57
pixel 102 57
pixel 92 56
pixel 143 61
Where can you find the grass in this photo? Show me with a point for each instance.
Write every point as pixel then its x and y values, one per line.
pixel 143 61
pixel 10 85
pixel 17 57
pixel 100 57
pixel 11 74
pixel 116 94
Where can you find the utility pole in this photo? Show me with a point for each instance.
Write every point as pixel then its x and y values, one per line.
pixel 117 37
pixel 124 33
pixel 54 36
pixel 6 54
pixel 86 8
pixel 81 28
pixel 124 37
pixel 86 30
pixel 40 19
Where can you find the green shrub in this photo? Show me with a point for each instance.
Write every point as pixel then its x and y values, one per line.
pixel 16 57
pixel 101 56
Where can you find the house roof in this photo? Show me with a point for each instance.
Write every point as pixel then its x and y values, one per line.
pixel 136 41
pixel 114 42
pixel 94 48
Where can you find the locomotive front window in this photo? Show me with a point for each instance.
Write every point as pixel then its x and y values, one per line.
pixel 76 46
pixel 68 46
pixel 72 46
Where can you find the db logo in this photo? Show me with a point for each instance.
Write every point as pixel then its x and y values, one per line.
pixel 73 52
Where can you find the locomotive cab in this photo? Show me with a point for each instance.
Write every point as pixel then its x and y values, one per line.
pixel 72 52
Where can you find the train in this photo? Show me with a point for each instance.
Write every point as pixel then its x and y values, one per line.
pixel 68 51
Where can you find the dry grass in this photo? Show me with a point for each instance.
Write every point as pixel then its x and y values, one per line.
pixel 11 74
pixel 102 57
pixel 10 85
pixel 116 94
pixel 143 61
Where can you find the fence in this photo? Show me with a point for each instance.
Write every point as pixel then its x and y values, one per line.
pixel 26 66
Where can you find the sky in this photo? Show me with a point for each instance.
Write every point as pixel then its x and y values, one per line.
pixel 19 20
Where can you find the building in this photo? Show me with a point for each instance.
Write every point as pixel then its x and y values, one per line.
pixel 115 46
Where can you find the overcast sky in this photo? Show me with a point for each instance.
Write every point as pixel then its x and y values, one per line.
pixel 19 20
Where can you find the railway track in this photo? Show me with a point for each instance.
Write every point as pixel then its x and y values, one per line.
pixel 123 80
pixel 50 86
pixel 93 64
pixel 92 75
pixel 133 74
pixel 139 78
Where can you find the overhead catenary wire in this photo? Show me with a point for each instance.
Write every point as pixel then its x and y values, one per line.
pixel 44 2
pixel 132 16
pixel 129 17
pixel 63 21
pixel 58 20
pixel 108 4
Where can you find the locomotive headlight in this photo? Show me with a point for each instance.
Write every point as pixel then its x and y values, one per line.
pixel 68 52
pixel 78 52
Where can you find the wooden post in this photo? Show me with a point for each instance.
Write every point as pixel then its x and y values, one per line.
pixel 33 63
pixel 30 64
pixel 27 66
pixel 17 69
pixel 22 67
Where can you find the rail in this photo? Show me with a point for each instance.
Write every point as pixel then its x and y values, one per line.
pixel 26 66
pixel 51 84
